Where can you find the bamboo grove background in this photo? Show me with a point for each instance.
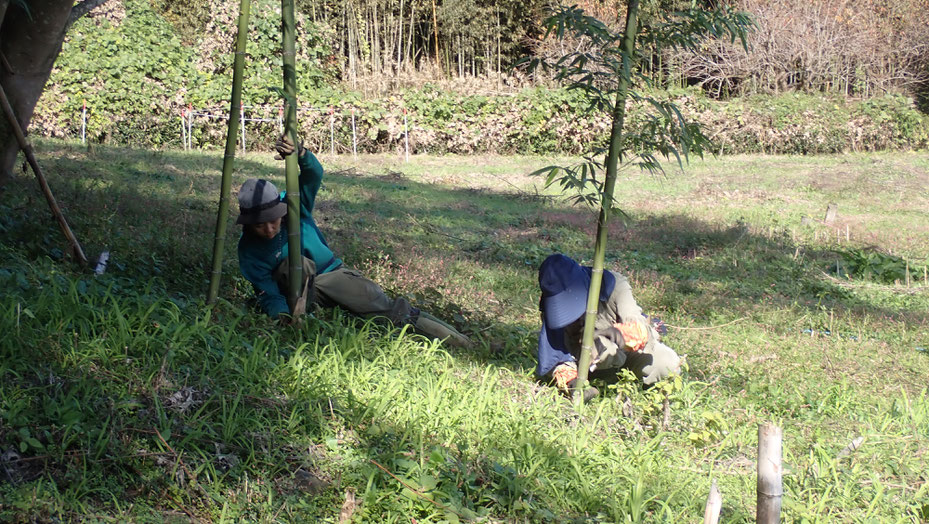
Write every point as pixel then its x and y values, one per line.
pixel 854 47
pixel 850 68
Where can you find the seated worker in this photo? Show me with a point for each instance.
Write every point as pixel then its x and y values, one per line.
pixel 623 337
pixel 263 260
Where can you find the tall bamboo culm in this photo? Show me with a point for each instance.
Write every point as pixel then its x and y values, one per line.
pixel 219 241
pixel 609 186
pixel 291 168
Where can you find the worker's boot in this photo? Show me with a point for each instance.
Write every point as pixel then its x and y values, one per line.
pixel 433 327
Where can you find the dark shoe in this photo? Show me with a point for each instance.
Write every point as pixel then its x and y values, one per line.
pixel 401 312
pixel 433 327
pixel 590 392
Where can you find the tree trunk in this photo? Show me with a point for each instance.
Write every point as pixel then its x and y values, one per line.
pixel 29 45
pixel 375 41
pixel 400 37
pixel 410 50
pixel 435 34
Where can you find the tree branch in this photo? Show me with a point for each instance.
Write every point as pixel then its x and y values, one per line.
pixel 82 9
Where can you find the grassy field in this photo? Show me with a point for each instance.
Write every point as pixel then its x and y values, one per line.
pixel 124 398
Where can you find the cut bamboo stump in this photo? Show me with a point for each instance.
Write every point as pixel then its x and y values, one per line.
pixel 714 503
pixel 769 487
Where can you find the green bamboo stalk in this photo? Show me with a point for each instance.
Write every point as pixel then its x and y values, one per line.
pixel 291 168
pixel 612 166
pixel 219 240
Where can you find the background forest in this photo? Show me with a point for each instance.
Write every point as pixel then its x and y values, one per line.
pixel 819 77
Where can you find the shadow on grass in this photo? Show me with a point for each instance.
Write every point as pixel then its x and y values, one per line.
pixel 155 213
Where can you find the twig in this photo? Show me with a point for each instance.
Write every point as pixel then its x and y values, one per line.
pixel 852 446
pixel 514 186
pixel 719 472
pixel 414 490
pixel 869 482
pixel 432 229
pixel 81 453
pixel 707 327
pixel 871 285
pixel 6 64
pixel 176 456
pixel 666 410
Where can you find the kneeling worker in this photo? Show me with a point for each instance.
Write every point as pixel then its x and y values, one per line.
pixel 623 337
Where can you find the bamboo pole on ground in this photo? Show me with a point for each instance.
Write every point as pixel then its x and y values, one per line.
pixel 219 239
pixel 769 488
pixel 291 168
pixel 609 186
pixel 76 250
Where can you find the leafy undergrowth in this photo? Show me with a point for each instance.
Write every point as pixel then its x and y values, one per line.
pixel 123 397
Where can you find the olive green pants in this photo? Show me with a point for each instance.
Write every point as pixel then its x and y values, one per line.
pixel 348 289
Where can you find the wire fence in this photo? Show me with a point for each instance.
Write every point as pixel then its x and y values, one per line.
pixel 256 121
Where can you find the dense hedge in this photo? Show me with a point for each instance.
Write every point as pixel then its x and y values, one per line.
pixel 137 77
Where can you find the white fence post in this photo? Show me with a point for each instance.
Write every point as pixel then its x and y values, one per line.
pixel 184 128
pixel 354 136
pixel 331 131
pixel 190 126
pixel 84 123
pixel 406 135
pixel 280 119
pixel 242 122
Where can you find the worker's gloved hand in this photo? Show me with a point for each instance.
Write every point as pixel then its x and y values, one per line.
pixel 613 335
pixel 285 146
pixel 635 333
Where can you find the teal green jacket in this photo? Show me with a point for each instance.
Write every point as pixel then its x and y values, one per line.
pixel 258 258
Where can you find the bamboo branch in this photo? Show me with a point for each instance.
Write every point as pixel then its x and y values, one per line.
pixel 77 252
pixel 414 490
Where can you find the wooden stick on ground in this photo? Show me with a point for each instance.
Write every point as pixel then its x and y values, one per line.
pixel 30 157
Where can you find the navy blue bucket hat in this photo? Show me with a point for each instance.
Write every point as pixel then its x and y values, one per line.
pixel 564 284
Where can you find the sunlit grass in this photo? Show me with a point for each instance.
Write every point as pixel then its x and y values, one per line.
pixel 122 397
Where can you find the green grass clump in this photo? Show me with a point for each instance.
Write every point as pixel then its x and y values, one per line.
pixel 123 397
